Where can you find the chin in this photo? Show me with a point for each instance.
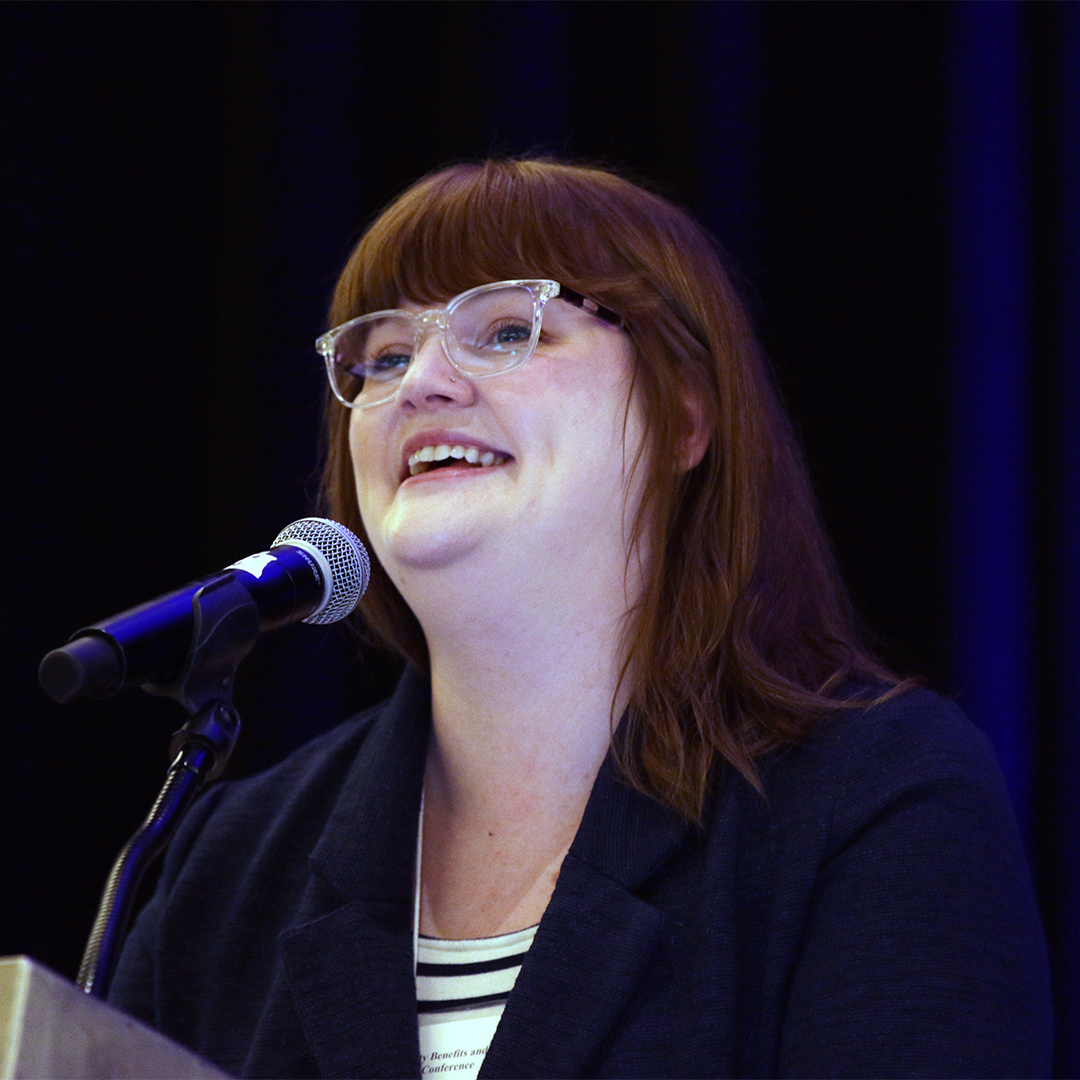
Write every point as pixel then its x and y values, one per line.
pixel 433 534
pixel 412 548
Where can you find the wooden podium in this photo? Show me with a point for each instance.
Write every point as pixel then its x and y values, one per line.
pixel 50 1029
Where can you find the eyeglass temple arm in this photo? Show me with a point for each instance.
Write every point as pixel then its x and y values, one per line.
pixel 590 306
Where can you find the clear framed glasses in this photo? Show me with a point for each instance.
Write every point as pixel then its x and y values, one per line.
pixel 485 331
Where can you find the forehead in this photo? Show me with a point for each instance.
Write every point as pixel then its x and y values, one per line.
pixel 439 285
pixel 508 293
pixel 441 301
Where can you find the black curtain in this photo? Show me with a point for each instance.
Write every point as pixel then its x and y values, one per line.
pixel 899 184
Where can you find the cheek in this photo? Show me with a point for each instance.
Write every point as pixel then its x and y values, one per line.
pixel 362 452
pixel 595 385
pixel 608 452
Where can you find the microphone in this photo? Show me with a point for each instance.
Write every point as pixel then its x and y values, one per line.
pixel 315 572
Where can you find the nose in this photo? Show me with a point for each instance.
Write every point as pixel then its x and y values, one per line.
pixel 430 379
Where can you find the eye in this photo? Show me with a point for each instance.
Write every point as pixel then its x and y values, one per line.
pixel 388 364
pixel 382 349
pixel 507 332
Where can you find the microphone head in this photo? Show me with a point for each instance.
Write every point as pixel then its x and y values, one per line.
pixel 343 558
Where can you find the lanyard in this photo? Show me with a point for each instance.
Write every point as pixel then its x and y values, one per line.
pixel 416 896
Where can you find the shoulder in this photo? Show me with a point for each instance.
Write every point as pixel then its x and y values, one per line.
pixel 286 807
pixel 288 802
pixel 316 765
pixel 861 758
pixel 911 777
pixel 917 730
pixel 891 849
pixel 317 768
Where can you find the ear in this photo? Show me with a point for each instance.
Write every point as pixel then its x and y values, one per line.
pixel 694 440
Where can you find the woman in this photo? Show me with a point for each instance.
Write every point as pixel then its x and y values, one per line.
pixel 640 760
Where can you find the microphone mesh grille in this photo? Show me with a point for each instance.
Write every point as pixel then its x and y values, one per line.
pixel 345 557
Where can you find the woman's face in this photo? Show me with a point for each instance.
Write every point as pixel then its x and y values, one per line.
pixel 549 450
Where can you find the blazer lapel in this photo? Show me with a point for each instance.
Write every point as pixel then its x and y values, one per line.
pixel 594 941
pixel 349 959
pixel 351 978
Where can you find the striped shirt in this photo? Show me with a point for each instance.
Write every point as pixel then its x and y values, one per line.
pixel 461 989
pixel 467 974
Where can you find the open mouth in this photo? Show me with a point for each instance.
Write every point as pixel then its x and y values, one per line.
pixel 444 456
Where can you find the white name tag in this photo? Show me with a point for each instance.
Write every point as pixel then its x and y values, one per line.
pixel 454 1048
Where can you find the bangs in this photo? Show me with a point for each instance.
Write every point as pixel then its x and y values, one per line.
pixel 474 224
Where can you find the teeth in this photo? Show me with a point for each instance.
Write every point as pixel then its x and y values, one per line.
pixel 426 454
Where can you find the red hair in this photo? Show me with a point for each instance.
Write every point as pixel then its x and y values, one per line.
pixel 744 637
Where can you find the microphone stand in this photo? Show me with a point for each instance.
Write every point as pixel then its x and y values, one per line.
pixel 226 624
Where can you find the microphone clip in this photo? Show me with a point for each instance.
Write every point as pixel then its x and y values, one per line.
pixel 225 628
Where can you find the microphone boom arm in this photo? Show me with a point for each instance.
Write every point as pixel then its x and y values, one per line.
pixel 224 629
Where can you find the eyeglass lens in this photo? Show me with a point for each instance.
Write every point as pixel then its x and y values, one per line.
pixel 486 332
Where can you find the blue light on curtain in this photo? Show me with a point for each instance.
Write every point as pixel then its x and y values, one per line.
pixel 1015 210
pixel 1065 864
pixel 991 486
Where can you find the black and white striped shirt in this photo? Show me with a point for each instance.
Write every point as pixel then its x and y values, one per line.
pixel 459 975
pixel 461 990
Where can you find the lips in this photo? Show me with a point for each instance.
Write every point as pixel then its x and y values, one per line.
pixel 432 450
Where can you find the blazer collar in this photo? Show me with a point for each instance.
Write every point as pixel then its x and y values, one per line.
pixel 625 835
pixel 595 940
pixel 365 852
pixel 349 959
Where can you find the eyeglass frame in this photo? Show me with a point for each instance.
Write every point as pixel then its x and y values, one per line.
pixel 543 290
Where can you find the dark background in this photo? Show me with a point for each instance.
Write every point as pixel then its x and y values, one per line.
pixel 899 183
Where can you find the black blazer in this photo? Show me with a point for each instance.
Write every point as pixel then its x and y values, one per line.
pixel 871 916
